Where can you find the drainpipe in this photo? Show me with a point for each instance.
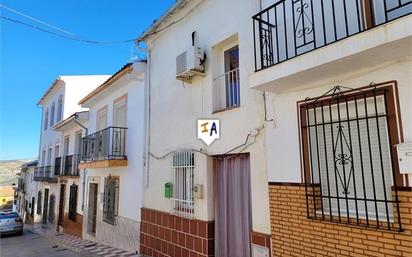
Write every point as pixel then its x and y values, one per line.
pixel 147 119
pixel 78 123
pixel 76 116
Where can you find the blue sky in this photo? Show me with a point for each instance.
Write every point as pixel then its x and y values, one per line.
pixel 30 60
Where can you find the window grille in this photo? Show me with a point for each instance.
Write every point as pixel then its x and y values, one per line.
pixel 347 159
pixel 39 203
pixel 51 208
pixel 73 202
pixel 111 196
pixel 183 165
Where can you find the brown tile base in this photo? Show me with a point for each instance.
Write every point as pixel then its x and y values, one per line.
pixel 166 235
pixel 71 227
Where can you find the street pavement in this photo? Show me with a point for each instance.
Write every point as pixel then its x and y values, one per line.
pixel 32 245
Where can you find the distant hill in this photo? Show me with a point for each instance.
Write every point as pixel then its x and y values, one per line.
pixel 8 171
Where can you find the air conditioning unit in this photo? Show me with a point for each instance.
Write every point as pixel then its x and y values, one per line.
pixel 190 63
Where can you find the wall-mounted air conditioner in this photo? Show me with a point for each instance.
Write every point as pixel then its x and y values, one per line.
pixel 190 63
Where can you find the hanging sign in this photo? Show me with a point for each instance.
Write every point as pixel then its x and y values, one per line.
pixel 208 130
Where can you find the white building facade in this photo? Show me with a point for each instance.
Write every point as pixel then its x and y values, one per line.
pixel 58 103
pixel 199 199
pixel 112 159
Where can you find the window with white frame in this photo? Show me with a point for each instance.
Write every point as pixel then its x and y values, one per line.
pixel 227 85
pixel 46 118
pixel 59 108
pixel 52 110
pixel 183 165
pixel 111 199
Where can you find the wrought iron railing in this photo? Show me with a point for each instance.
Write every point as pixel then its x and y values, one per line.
pixel 57 166
pixel 227 90
pixel 68 165
pixel 290 28
pixel 106 144
pixel 348 158
pixel 44 174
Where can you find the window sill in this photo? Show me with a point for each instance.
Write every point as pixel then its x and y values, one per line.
pixel 226 109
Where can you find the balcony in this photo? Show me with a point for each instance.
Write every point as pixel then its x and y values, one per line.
pixel 104 149
pixel 226 91
pixel 45 174
pixel 301 41
pixel 21 187
pixel 70 167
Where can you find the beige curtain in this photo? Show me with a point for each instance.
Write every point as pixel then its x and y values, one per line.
pixel 233 206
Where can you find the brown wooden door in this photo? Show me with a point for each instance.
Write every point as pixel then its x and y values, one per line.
pixel 61 204
pixel 92 209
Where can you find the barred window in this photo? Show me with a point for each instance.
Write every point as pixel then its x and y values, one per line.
pixel 111 200
pixel 346 148
pixel 183 164
pixel 39 203
pixel 73 202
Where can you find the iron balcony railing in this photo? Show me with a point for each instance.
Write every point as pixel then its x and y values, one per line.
pixel 290 28
pixel 44 174
pixel 106 144
pixel 21 185
pixel 227 90
pixel 57 166
pixel 70 167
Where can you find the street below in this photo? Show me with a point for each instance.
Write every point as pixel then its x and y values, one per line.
pixel 31 245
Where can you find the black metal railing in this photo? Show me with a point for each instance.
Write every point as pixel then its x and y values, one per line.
pixel 106 144
pixel 348 158
pixel 68 165
pixel 21 185
pixel 290 28
pixel 44 174
pixel 57 166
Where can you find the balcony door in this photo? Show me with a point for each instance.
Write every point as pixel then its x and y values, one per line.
pixel 119 122
pixel 102 135
pixel 232 77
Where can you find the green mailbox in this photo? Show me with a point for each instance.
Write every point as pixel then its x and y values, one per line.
pixel 168 190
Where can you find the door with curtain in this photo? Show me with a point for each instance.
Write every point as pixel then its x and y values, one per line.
pixel 233 216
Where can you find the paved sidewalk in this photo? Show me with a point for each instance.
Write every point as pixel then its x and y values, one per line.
pixel 76 244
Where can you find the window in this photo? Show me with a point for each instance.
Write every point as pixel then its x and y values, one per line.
pixel 227 85
pixel 73 202
pixel 52 114
pixel 46 118
pixel 51 208
pixel 347 157
pixel 111 196
pixel 183 165
pixel 101 119
pixel 120 112
pixel 39 203
pixel 59 109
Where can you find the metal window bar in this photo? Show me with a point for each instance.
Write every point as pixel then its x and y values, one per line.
pixel 348 160
pixel 227 90
pixel 106 144
pixel 183 177
pixel 290 28
pixel 110 203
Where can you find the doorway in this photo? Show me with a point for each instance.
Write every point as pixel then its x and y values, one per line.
pixel 45 205
pixel 233 215
pixel 60 219
pixel 92 209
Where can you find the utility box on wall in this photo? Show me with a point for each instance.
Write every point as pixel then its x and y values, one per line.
pixel 168 190
pixel 405 157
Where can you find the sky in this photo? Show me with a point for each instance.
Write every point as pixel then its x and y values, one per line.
pixel 31 60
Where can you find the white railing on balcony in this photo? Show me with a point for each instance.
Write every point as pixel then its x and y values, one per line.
pixel 226 89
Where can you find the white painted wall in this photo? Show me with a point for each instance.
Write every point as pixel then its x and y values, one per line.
pixel 284 161
pixel 131 177
pixel 176 106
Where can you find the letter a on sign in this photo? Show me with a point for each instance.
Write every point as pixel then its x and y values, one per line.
pixel 208 130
